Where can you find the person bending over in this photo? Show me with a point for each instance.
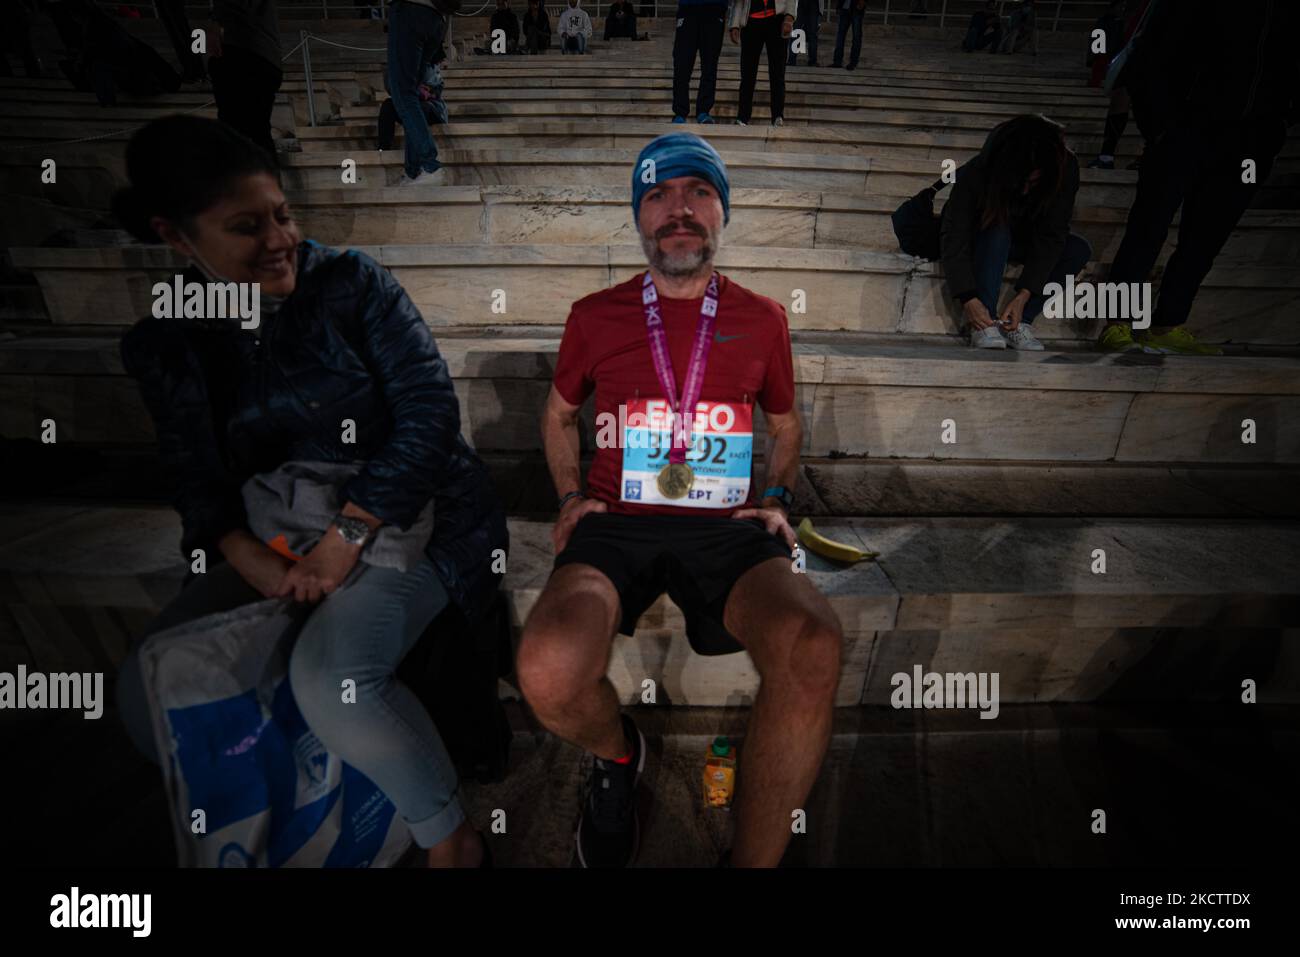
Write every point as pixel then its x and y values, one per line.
pixel 1011 203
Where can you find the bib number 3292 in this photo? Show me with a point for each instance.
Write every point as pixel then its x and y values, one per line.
pixel 721 453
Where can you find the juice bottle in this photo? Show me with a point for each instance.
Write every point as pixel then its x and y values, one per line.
pixel 719 773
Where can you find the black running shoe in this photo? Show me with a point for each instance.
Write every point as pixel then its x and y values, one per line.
pixel 609 831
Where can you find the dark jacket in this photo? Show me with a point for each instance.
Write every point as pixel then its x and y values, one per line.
pixel 506 21
pixel 347 344
pixel 1042 239
pixel 1198 62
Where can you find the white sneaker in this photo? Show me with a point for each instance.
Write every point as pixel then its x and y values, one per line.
pixel 987 338
pixel 1023 338
pixel 425 178
pixel 741 123
pixel 779 121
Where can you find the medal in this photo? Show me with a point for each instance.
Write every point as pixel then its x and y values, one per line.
pixel 677 477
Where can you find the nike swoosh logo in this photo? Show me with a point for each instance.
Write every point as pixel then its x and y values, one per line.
pixel 719 337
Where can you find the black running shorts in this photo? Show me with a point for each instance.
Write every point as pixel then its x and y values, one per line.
pixel 695 560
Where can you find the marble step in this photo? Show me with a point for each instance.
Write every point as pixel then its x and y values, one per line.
pixel 1013 597
pixel 597 133
pixel 800 104
pixel 821 80
pixel 842 290
pixel 865 398
pixel 845 175
pixel 599 215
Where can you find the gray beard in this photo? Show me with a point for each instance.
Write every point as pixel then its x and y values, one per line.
pixel 680 265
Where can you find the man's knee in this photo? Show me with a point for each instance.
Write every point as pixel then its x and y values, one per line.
pixel 560 655
pixel 804 651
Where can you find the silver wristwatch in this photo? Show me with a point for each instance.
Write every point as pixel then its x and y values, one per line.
pixel 352 530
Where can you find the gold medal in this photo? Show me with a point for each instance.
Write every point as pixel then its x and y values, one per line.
pixel 675 480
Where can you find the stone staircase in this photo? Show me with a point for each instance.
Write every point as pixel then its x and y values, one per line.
pixel 986 544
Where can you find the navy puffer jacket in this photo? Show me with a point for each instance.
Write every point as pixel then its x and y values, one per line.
pixel 347 344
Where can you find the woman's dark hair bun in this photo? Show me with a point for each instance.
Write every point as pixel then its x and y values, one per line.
pixel 178 166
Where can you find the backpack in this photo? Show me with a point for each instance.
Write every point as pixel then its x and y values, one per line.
pixel 917 226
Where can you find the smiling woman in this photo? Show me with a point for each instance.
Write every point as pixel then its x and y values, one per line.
pixel 343 377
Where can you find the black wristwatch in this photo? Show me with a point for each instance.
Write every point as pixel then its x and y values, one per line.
pixel 565 501
pixel 782 493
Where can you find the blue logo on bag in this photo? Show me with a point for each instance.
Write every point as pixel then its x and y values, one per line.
pixel 632 488
pixel 233 855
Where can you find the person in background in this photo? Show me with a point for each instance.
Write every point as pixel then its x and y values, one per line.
pixel 621 20
pixel 504 19
pixel 537 28
pixel 431 104
pixel 244 65
pixel 20 40
pixel 575 28
pixel 809 20
pixel 701 25
pixel 759 25
pixel 1117 113
pixel 416 32
pixel 985 29
pixel 1011 203
pixel 1022 29
pixel 851 14
pixel 177 25
pixel 1205 120
pixel 337 339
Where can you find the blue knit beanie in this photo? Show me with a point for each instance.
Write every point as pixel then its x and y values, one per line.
pixel 680 154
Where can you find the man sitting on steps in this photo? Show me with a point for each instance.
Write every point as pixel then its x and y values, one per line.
pixel 575 28
pixel 672 509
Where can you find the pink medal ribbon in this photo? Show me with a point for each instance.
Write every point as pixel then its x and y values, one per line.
pixel 683 411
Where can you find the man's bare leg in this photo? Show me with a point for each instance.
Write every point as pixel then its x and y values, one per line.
pixel 563 657
pixel 794 639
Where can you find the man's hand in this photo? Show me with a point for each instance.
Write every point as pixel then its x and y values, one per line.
pixel 774 520
pixel 735 34
pixel 1015 310
pixel 975 314
pixel 322 570
pixel 573 511
pixel 787 25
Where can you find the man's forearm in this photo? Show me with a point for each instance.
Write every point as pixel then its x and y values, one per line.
pixel 560 442
pixel 783 460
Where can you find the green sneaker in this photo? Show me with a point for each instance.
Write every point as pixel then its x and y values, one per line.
pixel 1178 341
pixel 1118 339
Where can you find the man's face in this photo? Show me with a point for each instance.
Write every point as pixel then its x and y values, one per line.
pixel 681 225
pixel 573 3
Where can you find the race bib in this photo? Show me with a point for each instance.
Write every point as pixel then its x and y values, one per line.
pixel 721 453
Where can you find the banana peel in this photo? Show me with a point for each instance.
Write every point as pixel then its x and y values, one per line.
pixel 814 541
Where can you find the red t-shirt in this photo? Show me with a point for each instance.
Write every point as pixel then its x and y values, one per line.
pixel 605 349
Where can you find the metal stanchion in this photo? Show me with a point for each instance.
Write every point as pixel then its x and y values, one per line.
pixel 1056 22
pixel 943 14
pixel 306 69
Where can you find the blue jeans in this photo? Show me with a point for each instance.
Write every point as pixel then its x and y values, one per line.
pixel 361 632
pixel 415 34
pixel 848 18
pixel 994 248
pixel 576 43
